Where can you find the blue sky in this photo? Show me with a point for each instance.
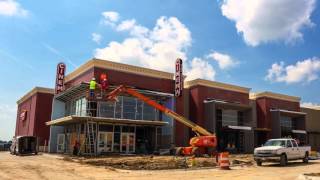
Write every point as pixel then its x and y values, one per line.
pixel 265 45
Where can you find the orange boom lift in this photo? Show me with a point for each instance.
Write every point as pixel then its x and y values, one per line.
pixel 203 143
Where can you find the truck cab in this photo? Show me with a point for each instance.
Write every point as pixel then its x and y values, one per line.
pixel 281 150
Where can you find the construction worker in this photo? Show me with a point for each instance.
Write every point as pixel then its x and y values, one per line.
pixel 104 81
pixel 92 87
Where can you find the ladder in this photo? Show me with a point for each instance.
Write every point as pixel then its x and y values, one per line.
pixel 91 138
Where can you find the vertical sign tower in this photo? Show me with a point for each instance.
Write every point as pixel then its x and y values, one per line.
pixel 178 78
pixel 61 69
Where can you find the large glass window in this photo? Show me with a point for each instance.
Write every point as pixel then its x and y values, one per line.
pixel 118 108
pixel 229 117
pixel 107 109
pixel 139 109
pixel 81 107
pixel 149 113
pixel 129 107
pixel 286 122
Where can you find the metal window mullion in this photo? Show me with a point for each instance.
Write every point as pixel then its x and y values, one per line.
pixel 121 107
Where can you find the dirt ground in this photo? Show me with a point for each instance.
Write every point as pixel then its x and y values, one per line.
pixel 49 166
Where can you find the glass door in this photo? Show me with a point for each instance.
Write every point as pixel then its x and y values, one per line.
pixel 127 143
pixel 60 143
pixel 131 142
pixel 124 142
pixel 105 142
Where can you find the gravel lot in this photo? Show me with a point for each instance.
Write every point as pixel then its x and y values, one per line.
pixel 49 166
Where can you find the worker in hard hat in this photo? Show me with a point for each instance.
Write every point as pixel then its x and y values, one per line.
pixel 92 87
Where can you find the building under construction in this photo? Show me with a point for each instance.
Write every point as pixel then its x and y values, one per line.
pixel 241 120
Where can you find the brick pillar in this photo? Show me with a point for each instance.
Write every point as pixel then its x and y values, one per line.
pixel 181 132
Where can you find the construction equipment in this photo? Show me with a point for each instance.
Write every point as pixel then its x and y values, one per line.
pixel 91 138
pixel 203 143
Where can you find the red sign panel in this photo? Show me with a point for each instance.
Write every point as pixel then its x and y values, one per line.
pixel 178 78
pixel 23 115
pixel 61 69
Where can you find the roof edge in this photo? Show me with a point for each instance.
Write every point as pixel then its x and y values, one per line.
pixel 215 84
pixel 106 64
pixel 273 95
pixel 34 91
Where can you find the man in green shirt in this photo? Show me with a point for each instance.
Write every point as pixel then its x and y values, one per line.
pixel 92 87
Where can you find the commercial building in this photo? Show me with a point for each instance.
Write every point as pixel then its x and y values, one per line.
pixel 241 120
pixel 278 115
pixel 34 109
pixel 126 126
pixel 313 126
pixel 225 110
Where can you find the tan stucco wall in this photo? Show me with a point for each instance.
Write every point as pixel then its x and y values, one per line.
pixel 312 119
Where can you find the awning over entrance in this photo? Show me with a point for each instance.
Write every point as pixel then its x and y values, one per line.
pixel 299 131
pixel 79 119
pixel 72 92
pixel 247 128
pixel 289 113
pixel 227 104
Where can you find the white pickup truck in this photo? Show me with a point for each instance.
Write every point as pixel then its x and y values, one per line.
pixel 281 150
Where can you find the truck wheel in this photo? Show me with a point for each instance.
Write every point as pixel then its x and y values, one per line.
pixel 283 160
pixel 259 163
pixel 178 151
pixel 306 158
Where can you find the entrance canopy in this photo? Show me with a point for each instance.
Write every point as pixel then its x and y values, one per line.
pixel 293 114
pixel 82 119
pixel 228 105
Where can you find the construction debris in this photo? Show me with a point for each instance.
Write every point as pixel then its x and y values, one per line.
pixel 149 162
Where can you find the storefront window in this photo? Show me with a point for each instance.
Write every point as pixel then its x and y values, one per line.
pixel 229 117
pixel 107 109
pixel 129 107
pixel 81 107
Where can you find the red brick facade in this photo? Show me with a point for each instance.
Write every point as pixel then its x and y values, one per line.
pixel 264 105
pixel 38 109
pixel 200 93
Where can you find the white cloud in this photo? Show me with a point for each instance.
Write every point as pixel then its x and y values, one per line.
pixel 96 37
pixel 309 104
pixel 110 17
pixel 224 61
pixel 156 47
pixel 200 68
pixel 12 8
pixel 303 71
pixel 269 20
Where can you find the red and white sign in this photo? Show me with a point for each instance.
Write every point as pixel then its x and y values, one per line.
pixel 178 78
pixel 23 115
pixel 61 69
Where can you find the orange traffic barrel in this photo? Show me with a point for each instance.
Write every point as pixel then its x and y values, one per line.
pixel 223 160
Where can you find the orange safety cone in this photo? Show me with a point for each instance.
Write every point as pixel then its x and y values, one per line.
pixel 223 161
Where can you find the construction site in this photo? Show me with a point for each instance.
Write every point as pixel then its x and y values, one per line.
pixel 124 118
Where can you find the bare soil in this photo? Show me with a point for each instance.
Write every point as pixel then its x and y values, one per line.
pixel 145 162
pixel 51 166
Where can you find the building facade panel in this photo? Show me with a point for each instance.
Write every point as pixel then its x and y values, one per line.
pixel 278 116
pixel 25 127
pixel 36 106
pixel 43 115
pixel 135 80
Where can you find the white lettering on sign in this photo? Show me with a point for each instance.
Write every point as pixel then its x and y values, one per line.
pixel 178 78
pixel 61 69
